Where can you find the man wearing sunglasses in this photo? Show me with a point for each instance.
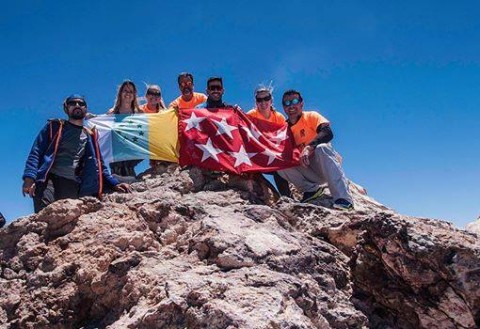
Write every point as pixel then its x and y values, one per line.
pixel 188 99
pixel 215 95
pixel 65 160
pixel 319 162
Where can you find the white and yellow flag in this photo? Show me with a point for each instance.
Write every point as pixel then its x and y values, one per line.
pixel 137 136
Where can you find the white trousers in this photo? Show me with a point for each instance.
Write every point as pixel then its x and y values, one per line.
pixel 323 168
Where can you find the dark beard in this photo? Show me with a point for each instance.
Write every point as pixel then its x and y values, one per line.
pixel 77 114
pixel 215 104
pixel 187 89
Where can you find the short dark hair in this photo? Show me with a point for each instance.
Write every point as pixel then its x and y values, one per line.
pixel 186 75
pixel 292 92
pixel 211 79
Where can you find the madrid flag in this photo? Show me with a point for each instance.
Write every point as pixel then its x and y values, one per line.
pixel 227 140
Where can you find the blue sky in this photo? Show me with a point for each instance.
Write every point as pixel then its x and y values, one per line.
pixel 399 81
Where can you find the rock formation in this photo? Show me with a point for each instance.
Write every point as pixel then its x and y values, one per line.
pixel 189 249
pixel 474 226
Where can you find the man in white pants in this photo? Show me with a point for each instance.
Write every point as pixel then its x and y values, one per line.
pixel 319 161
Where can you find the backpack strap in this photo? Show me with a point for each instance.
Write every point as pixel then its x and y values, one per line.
pixel 89 131
pixel 54 127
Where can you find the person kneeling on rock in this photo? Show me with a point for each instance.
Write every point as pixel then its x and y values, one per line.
pixel 65 160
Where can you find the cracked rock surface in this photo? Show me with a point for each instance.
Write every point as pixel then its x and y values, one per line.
pixel 189 249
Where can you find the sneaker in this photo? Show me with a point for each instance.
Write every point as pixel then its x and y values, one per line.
pixel 309 196
pixel 342 204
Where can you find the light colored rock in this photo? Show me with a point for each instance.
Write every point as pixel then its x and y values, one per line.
pixel 192 250
pixel 474 226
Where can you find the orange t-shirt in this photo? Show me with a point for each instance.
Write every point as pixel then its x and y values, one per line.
pixel 275 117
pixel 305 130
pixel 198 98
pixel 146 109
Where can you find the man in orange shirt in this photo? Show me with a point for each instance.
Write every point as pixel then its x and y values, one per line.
pixel 189 99
pixel 319 162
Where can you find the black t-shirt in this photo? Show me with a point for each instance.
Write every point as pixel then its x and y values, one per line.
pixel 70 151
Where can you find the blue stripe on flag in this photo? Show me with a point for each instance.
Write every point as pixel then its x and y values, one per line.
pixel 130 137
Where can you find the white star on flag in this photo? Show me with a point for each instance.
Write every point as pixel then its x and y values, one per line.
pixel 209 151
pixel 193 122
pixel 272 155
pixel 242 157
pixel 252 132
pixel 280 136
pixel 224 128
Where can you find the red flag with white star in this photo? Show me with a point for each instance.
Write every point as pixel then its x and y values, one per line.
pixel 227 140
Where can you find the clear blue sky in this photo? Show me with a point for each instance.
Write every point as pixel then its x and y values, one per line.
pixel 399 80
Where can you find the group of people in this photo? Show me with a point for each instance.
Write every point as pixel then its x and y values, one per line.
pixel 65 159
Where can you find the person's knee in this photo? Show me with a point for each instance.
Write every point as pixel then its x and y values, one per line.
pixel 323 150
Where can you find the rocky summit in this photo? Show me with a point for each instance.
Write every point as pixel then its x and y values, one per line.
pixel 195 249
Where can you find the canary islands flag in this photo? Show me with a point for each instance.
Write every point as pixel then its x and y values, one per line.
pixel 137 136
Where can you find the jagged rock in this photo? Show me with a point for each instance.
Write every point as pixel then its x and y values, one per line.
pixel 474 226
pixel 192 249
pixel 424 270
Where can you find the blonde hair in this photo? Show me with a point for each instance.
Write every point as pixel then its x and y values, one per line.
pixel 263 88
pixel 118 101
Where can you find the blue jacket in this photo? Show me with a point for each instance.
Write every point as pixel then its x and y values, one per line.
pixel 92 174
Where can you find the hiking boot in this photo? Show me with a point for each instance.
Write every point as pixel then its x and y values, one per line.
pixel 309 196
pixel 342 204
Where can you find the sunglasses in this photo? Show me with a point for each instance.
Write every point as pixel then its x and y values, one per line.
pixel 153 93
pixel 294 101
pixel 263 99
pixel 79 103
pixel 215 87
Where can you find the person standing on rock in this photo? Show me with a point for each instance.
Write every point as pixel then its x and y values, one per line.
pixel 188 99
pixel 66 157
pixel 319 161
pixel 264 110
pixel 126 103
pixel 155 104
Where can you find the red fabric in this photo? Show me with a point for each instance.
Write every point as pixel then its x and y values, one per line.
pixel 227 140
